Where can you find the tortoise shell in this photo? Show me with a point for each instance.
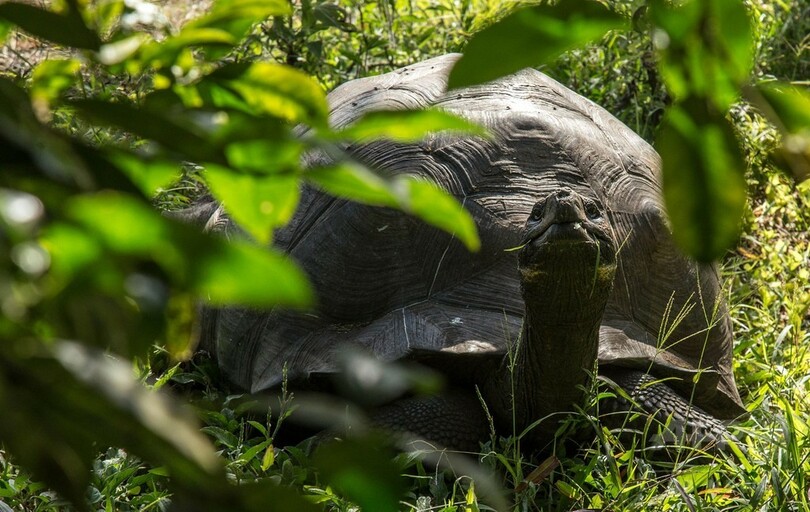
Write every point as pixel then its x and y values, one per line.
pixel 392 284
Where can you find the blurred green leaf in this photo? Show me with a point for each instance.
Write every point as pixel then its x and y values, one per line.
pixel 218 271
pixel 531 36
pixel 169 129
pixel 350 180
pixel 437 207
pixel 705 48
pixel 420 198
pixel 119 51
pixel 164 54
pixel 362 470
pixel 60 405
pixel 52 77
pixel 274 90
pixel 244 274
pixel 235 17
pixel 408 125
pixel 259 203
pixel 249 497
pixel 5 29
pixel 150 174
pixel 266 156
pixel 66 29
pixel 39 149
pixel 704 180
pixel 788 108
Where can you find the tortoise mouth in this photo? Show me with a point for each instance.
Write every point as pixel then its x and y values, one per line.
pixel 572 231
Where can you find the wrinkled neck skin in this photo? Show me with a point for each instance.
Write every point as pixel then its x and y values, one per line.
pixel 556 355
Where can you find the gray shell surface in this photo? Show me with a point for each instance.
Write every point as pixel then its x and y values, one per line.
pixel 390 283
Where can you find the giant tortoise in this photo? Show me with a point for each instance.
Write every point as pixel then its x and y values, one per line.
pixel 577 265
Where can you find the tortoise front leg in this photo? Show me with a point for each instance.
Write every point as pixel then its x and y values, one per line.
pixel 666 419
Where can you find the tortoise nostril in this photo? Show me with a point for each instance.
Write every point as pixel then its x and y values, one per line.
pixel 564 193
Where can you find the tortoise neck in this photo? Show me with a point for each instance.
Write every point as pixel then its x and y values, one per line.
pixel 557 353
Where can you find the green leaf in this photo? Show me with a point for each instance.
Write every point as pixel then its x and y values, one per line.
pixel 218 271
pixel 363 471
pixel 62 402
pixel 169 129
pixel 237 273
pixel 52 77
pixel 437 207
pixel 408 125
pixel 420 198
pixel 237 16
pixel 266 156
pixel 704 182
pixel 164 54
pixel 150 174
pixel 788 108
pixel 119 51
pixel 66 29
pixel 355 182
pixel 5 30
pixel 705 48
pixel 259 203
pixel 531 36
pixel 275 90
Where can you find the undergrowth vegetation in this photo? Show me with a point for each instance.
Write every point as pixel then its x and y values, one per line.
pixel 767 276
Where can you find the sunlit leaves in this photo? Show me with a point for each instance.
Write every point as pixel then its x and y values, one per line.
pixel 67 29
pixel 436 207
pixel 789 109
pixel 356 181
pixel 258 202
pixel 222 28
pixel 705 47
pixel 704 184
pixel 150 174
pixel 235 17
pixel 408 125
pixel 216 270
pixel 275 90
pixel 52 77
pixel 420 198
pixel 529 37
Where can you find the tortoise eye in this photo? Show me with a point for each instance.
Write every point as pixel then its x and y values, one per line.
pixel 592 210
pixel 537 212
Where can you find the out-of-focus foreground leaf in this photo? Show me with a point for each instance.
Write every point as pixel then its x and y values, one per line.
pixel 62 402
pixel 704 181
pixel 67 29
pixel 218 271
pixel 705 48
pixel 362 470
pixel 531 36
pixel 408 125
pixel 272 90
pixel 420 198
pixel 788 108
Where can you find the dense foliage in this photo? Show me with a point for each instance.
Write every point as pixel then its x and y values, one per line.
pixel 93 137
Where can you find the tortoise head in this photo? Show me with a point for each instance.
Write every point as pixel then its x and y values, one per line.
pixel 568 234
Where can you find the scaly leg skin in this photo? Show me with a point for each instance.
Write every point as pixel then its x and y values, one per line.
pixel 676 422
pixel 452 419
